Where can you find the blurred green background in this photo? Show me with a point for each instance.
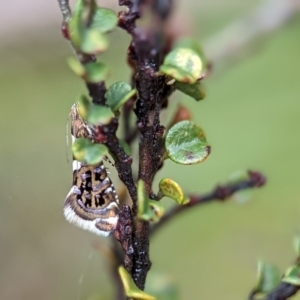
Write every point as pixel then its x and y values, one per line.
pixel 251 117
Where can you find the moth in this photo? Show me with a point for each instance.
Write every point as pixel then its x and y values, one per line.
pixel 92 203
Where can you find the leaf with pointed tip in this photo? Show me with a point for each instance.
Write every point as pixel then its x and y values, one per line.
pixel 131 290
pixel 117 94
pixel 87 152
pixel 186 143
pixel 183 64
pixel 171 189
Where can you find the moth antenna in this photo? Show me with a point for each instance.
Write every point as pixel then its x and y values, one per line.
pixel 67 138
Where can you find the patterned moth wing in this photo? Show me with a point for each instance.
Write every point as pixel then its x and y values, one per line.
pixel 92 202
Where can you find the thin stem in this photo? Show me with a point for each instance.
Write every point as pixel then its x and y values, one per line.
pixel 145 54
pixel 65 9
pixel 220 193
pixel 122 160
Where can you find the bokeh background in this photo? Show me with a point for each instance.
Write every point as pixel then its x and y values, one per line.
pixel 251 117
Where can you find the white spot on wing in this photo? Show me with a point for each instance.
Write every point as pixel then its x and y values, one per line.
pixel 76 165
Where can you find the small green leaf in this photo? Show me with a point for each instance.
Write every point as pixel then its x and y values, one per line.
pixel 87 35
pixel 99 114
pixel 94 113
pixel 292 276
pixel 194 90
pixel 76 66
pixel 95 72
pixel 104 20
pixel 87 152
pixel 171 189
pixel 191 43
pixel 183 64
pixel 186 143
pixel 117 94
pixel 83 106
pixel 269 276
pixel 148 210
pixel 131 290
pixel 92 72
pixel 75 30
pixel 93 42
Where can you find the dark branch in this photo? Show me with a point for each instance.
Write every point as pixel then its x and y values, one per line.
pixel 283 292
pixel 220 193
pixel 123 234
pixel 145 55
pixel 122 160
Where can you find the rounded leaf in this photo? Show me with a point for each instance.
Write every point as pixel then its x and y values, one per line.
pixel 186 143
pixel 131 290
pixel 183 64
pixel 87 152
pixel 93 41
pixel 171 189
pixel 292 275
pixel 76 66
pixel 99 114
pixel 269 276
pixel 95 72
pixel 117 94
pixel 92 72
pixel 191 43
pixel 104 20
pixel 195 90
